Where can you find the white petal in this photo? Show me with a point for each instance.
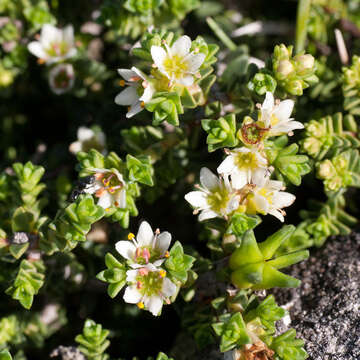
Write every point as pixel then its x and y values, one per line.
pixel 75 147
pixel 153 304
pixel 127 97
pixel 145 234
pixel 158 263
pixel 239 179
pixel 259 178
pixel 163 242
pixel 194 62
pixel 148 94
pixel 197 199
pixel 126 249
pixel 132 295
pixel 181 46
pixel 168 288
pixel 120 198
pixel 68 35
pixel 233 204
pixel 186 80
pixel 105 201
pixel 277 214
pixel 138 72
pixel 268 103
pixel 261 203
pixel 84 133
pixel 71 53
pixel 275 185
pixel 131 275
pixel 227 166
pixel 127 74
pixel 285 127
pixel 134 109
pixel 158 55
pixel 50 34
pixel 283 199
pixel 208 179
pixel 284 110
pixel 207 214
pixel 36 49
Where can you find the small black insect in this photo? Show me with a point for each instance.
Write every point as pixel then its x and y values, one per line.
pixel 82 185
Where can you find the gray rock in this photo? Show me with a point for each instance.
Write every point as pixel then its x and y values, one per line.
pixel 325 309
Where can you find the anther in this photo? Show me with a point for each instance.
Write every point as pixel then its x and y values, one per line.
pixel 131 236
pixel 162 273
pixel 122 83
pixel 140 305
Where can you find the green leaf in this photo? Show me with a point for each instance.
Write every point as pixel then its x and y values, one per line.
pixel 5 355
pixel 140 169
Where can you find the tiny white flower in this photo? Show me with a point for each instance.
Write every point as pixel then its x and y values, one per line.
pixel 267 197
pixel 177 63
pixel 276 117
pixel 61 78
pixel 146 247
pixel 54 44
pixel 88 139
pixel 139 90
pixel 109 187
pixel 240 164
pixel 148 287
pixel 215 197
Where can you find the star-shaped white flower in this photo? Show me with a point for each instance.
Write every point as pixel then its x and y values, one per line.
pixel 267 197
pixel 149 288
pixel 276 116
pixel 215 198
pixel 88 139
pixel 109 187
pixel 177 63
pixel 240 164
pixel 139 90
pixel 54 44
pixel 146 247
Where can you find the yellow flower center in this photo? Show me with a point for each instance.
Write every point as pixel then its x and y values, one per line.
pixel 274 120
pixel 246 161
pixel 175 66
pixel 218 199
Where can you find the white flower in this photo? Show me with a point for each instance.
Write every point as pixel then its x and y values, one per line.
pixel 149 288
pixel 276 117
pixel 177 63
pixel 54 44
pixel 109 187
pixel 146 247
pixel 267 197
pixel 240 164
pixel 137 94
pixel 214 198
pixel 61 78
pixel 88 139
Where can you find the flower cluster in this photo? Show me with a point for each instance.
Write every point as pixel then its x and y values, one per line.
pixel 54 47
pixel 244 185
pixel 177 79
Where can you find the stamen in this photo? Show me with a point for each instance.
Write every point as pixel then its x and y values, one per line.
pixel 140 305
pixel 99 176
pixel 107 209
pixel 122 83
pixel 142 104
pixel 100 192
pixel 167 254
pixel 162 273
pixel 139 285
pixel 143 272
pixel 41 61
pixel 137 251
pixel 131 236
pixel 135 78
pixel 116 203
pixel 146 255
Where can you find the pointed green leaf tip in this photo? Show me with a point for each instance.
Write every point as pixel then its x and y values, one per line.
pixel 140 169
pixel 288 347
pixel 232 332
pixel 221 132
pixel 114 275
pixel 93 342
pixel 5 355
pixel 255 266
pixel 178 264
pixel 28 282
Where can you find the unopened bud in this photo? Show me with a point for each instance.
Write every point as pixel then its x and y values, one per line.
pixel 326 170
pixel 284 69
pixel 304 64
pixel 312 146
pixel 334 183
pixel 295 87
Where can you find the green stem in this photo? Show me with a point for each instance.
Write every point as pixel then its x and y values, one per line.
pixel 221 34
pixel 303 12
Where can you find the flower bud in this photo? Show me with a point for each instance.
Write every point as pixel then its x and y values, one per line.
pixel 312 146
pixel 304 64
pixel 334 183
pixel 295 87
pixel 326 170
pixel 315 128
pixel 284 69
pixel 6 77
